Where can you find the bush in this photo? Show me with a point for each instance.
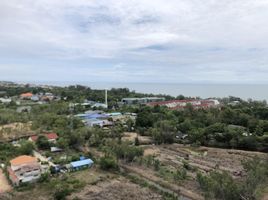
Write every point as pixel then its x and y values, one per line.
pixel 62 193
pixel 181 174
pixel 218 186
pixel 108 163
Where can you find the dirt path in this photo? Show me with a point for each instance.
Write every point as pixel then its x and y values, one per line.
pixel 43 158
pixel 4 185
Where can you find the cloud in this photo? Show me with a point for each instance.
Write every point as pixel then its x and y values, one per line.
pixel 135 40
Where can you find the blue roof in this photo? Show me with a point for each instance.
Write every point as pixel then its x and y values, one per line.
pixel 81 163
pixel 92 116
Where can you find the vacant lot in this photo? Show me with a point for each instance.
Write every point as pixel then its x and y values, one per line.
pixel 131 136
pixel 192 160
pixel 117 189
pixel 15 131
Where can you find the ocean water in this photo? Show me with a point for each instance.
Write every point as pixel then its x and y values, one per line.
pixel 246 91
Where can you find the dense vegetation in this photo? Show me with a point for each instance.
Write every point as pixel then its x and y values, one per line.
pixel 244 126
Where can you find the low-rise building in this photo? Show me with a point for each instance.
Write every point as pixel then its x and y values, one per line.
pixel 144 100
pixel 81 164
pixel 26 96
pixel 24 169
pixel 51 137
pixel 98 122
pixel 5 100
pixel 181 104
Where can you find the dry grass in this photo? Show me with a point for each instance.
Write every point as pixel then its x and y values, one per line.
pixel 15 130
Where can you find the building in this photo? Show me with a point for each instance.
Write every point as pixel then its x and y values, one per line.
pixel 181 104
pixel 24 109
pixel 5 100
pixel 24 169
pixel 35 98
pixel 98 122
pixel 100 105
pixel 81 164
pixel 51 137
pixel 26 96
pixel 130 101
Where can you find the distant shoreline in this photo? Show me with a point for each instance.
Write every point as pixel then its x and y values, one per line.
pixel 203 90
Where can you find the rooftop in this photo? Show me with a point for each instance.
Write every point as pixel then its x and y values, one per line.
pixel 22 160
pixel 28 94
pixel 82 163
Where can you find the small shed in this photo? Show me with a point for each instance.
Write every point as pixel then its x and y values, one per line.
pixel 81 164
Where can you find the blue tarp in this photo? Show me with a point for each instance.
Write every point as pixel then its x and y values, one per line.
pixel 82 163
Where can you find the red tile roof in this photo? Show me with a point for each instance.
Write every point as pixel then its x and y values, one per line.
pixel 34 137
pixel 49 136
pixel 22 160
pixel 52 136
pixel 28 94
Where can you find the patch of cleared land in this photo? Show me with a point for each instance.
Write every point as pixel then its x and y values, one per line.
pixel 202 159
pixel 131 136
pixel 117 189
pixel 15 130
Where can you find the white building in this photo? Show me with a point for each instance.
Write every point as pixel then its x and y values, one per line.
pixel 24 169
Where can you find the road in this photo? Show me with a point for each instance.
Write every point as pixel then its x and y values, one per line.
pixel 43 158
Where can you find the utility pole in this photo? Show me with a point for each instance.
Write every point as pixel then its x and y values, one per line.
pixel 71 109
pixel 106 98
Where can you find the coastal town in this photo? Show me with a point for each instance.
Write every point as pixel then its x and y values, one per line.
pixel 46 136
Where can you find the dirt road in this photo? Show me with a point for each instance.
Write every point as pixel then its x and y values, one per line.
pixel 43 158
pixel 4 185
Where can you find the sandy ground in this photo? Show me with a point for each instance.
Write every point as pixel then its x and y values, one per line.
pixel 4 185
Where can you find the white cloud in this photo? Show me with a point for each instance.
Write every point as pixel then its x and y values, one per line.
pixel 186 40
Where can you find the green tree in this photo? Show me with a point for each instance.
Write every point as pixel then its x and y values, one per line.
pixel 26 148
pixel 42 142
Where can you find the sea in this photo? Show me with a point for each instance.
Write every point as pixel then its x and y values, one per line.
pixel 208 90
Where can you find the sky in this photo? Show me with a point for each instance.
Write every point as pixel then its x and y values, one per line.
pixel 154 41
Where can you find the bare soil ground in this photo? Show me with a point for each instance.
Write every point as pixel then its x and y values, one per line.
pixel 201 159
pixel 15 130
pixel 117 189
pixel 130 136
pixel 4 185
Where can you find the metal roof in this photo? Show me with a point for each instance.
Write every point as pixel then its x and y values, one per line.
pixel 81 163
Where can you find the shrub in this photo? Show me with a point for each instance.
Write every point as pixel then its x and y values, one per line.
pixel 108 163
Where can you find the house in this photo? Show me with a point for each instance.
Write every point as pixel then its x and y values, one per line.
pixel 182 104
pixel 35 98
pixel 144 100
pixel 24 169
pixel 51 137
pixel 97 122
pixel 81 164
pixel 100 105
pixel 5 100
pixel 26 96
pixel 24 109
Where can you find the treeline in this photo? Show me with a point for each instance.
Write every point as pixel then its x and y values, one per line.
pixel 244 126
pixel 78 93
